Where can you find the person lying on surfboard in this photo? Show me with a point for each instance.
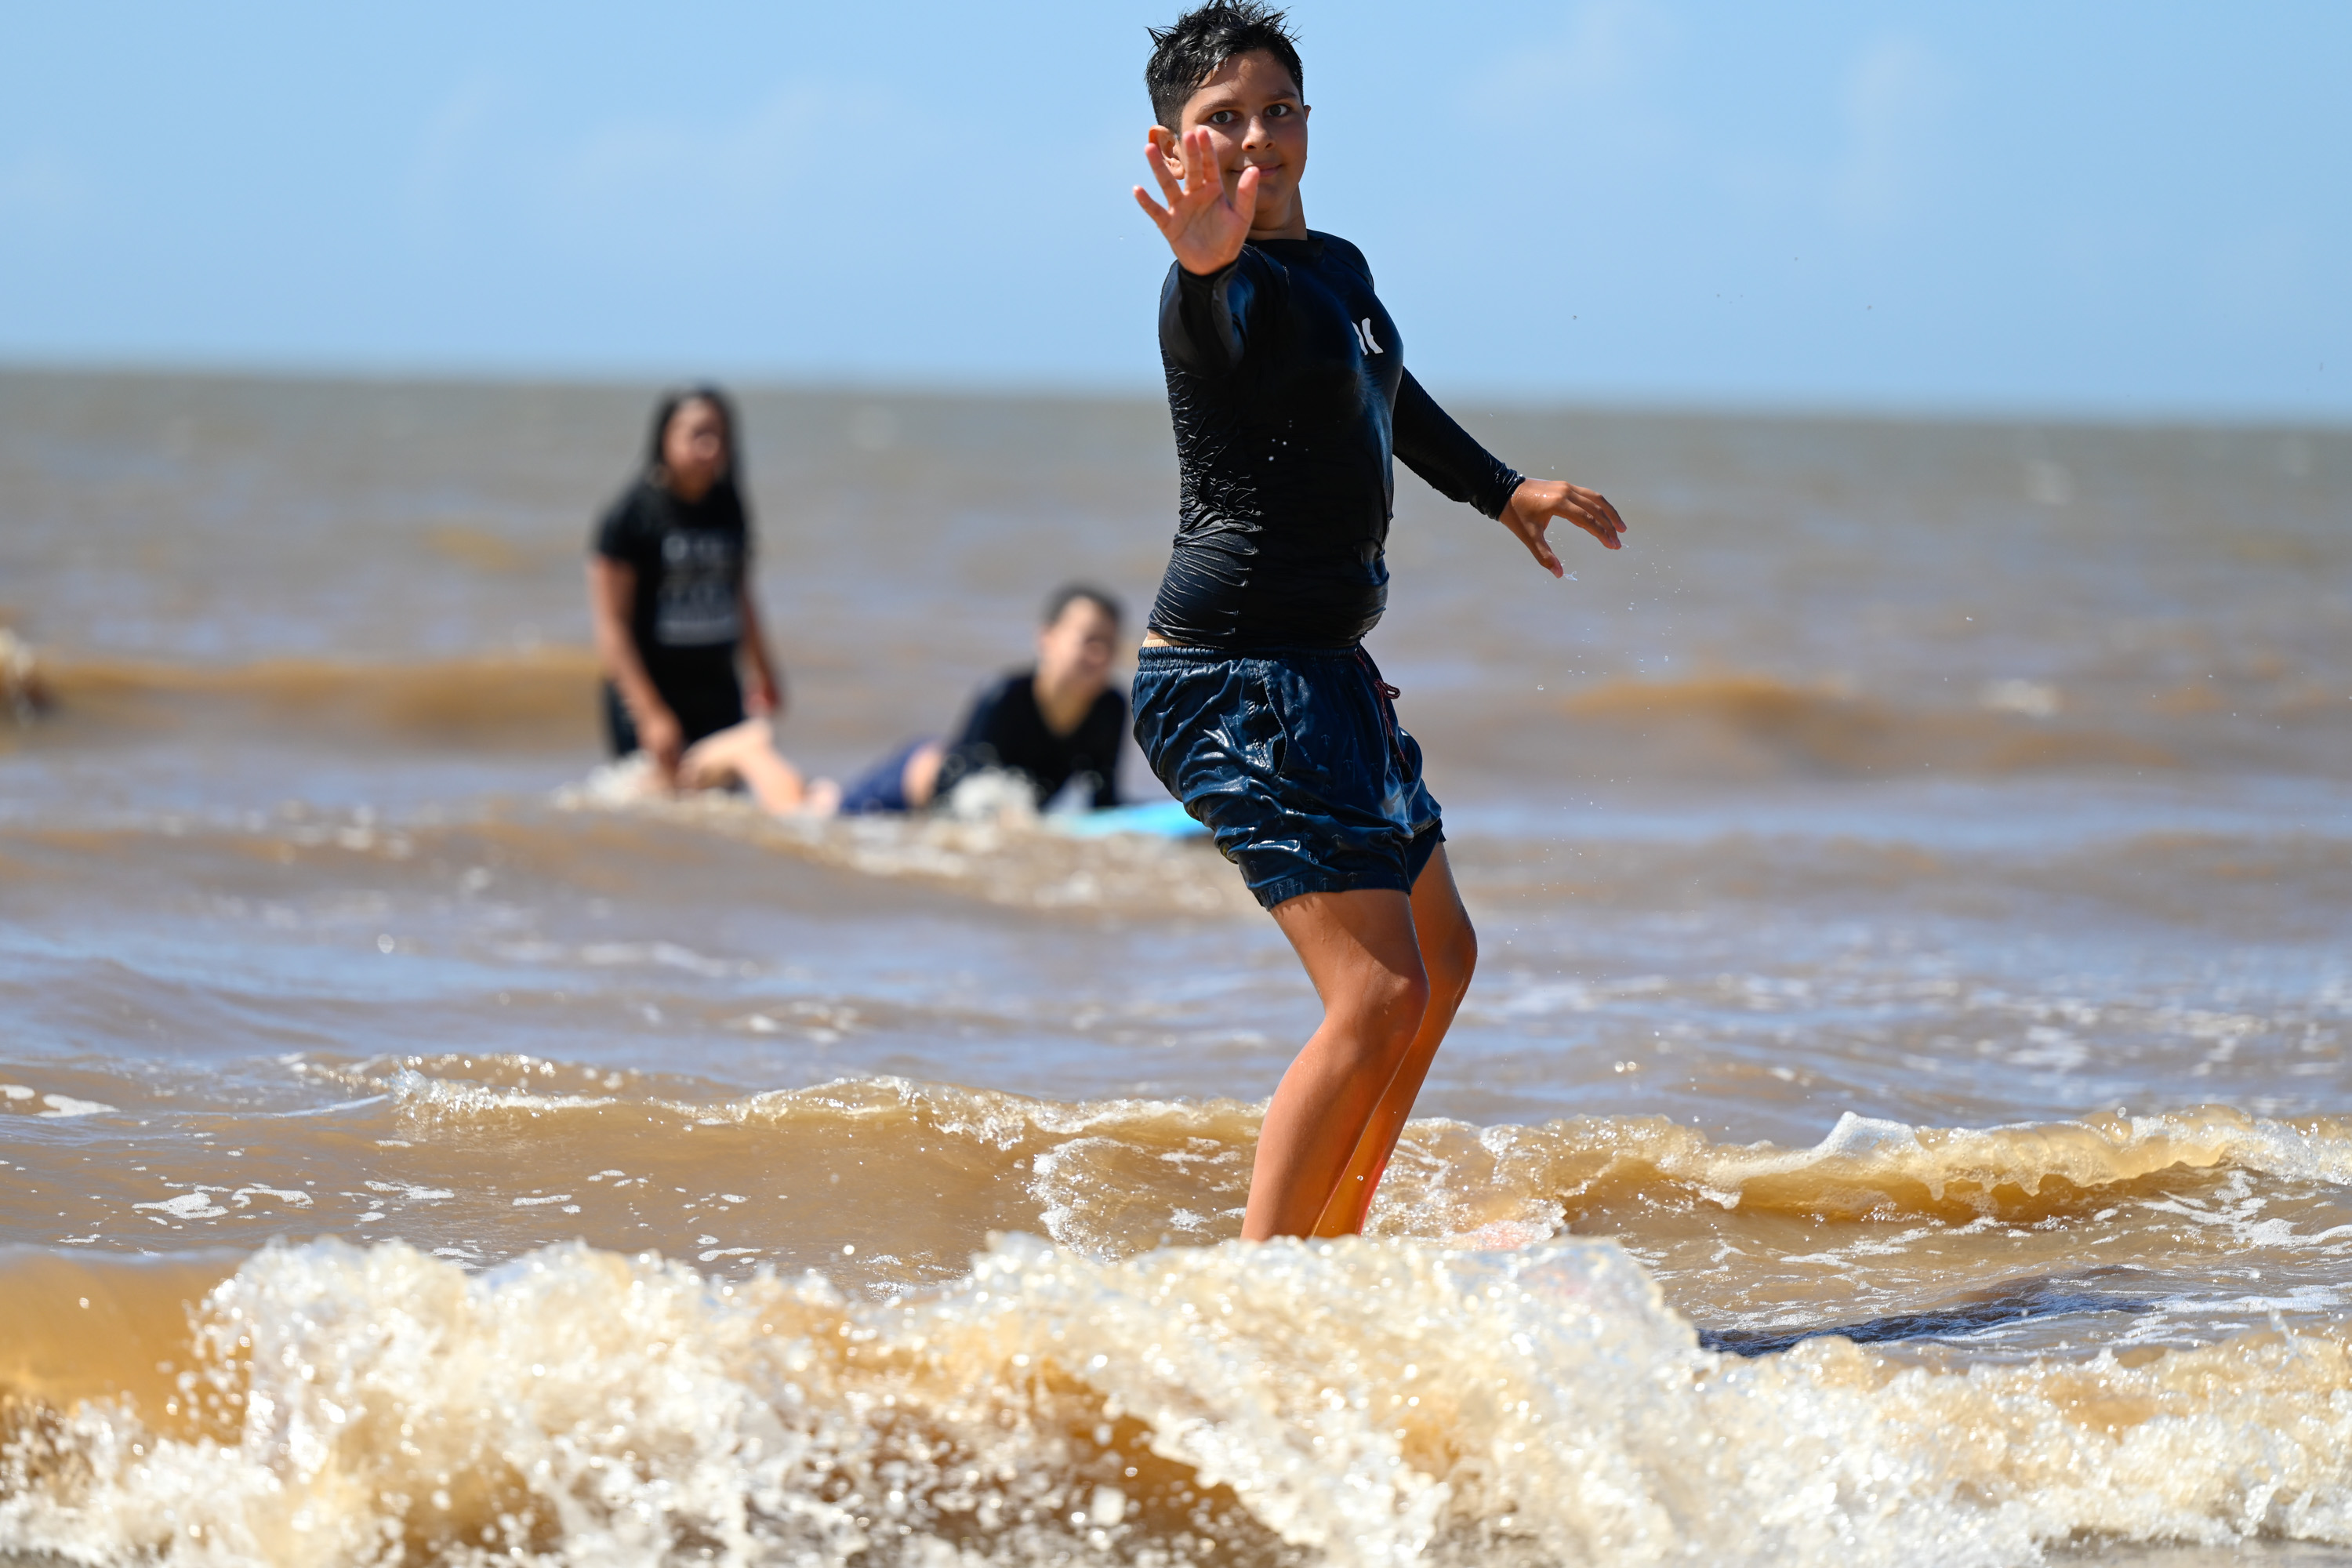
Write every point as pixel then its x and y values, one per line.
pixel 1255 700
pixel 1058 726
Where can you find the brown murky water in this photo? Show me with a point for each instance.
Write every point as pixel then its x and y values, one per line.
pixel 1901 1116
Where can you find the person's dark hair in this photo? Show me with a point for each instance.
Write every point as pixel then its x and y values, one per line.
pixel 1188 53
pixel 1069 594
pixel 666 410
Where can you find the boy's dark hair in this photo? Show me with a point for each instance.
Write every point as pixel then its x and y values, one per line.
pixel 1188 52
pixel 1069 594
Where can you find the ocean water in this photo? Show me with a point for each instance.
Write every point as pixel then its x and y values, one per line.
pixel 1902 1114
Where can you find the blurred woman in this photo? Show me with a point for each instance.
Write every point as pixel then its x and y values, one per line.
pixel 669 592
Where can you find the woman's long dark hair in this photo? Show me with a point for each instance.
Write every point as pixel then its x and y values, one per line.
pixel 726 490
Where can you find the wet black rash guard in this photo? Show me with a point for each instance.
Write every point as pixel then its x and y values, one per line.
pixel 1287 382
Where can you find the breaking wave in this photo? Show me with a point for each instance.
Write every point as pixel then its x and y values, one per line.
pixel 1374 1402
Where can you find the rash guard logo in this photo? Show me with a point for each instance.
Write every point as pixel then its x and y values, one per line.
pixel 1364 330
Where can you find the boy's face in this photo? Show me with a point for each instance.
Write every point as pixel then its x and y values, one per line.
pixel 1254 115
pixel 1077 648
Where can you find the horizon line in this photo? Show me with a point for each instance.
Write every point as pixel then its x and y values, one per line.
pixel 1653 405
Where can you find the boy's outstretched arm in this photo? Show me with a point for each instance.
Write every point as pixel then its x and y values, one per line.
pixel 1537 501
pixel 1431 444
pixel 1203 226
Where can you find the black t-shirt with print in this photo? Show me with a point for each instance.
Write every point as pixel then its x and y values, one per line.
pixel 687 619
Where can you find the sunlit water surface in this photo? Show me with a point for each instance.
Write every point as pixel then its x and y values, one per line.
pixel 1901 1116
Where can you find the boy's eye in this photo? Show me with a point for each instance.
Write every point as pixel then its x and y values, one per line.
pixel 1276 111
pixel 1221 117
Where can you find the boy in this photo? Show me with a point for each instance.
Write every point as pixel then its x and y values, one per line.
pixel 1255 700
pixel 1056 723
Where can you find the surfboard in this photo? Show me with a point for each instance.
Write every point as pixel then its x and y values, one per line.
pixel 1158 819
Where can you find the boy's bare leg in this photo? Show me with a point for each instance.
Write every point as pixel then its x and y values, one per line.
pixel 1359 950
pixel 1449 953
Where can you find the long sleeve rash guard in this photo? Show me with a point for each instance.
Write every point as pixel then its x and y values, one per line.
pixel 1287 382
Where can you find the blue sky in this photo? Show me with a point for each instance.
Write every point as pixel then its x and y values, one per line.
pixel 2096 208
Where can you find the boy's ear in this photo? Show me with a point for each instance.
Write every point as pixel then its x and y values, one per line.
pixel 1171 151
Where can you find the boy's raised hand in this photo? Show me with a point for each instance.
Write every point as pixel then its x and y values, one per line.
pixel 1203 225
pixel 1537 501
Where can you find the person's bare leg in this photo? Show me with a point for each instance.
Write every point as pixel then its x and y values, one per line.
pixel 1449 953
pixel 1360 951
pixel 920 779
pixel 747 751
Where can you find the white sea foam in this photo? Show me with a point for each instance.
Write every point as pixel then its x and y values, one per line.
pixel 58 1107
pixel 1365 1403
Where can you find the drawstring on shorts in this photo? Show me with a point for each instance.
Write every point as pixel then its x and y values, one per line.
pixel 1389 694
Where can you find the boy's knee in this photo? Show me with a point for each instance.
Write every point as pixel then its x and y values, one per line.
pixel 1449 948
pixel 1454 961
pixel 1394 1002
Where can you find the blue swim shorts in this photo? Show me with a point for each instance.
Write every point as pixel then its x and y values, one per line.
pixel 882 786
pixel 1294 760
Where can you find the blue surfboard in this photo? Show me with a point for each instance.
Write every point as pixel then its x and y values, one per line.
pixel 1160 819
